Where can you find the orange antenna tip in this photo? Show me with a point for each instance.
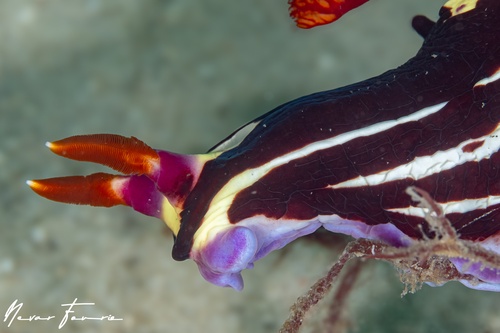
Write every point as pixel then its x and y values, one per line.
pixel 127 155
pixel 99 189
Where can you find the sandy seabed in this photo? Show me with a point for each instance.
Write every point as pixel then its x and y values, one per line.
pixel 180 75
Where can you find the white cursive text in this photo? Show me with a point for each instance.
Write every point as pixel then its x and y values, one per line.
pixel 12 314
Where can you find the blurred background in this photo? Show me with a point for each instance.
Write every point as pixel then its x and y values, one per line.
pixel 180 75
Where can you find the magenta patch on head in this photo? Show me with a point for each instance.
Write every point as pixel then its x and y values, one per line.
pixel 177 175
pixel 141 193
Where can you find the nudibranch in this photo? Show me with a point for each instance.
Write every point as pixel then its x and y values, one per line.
pixel 339 159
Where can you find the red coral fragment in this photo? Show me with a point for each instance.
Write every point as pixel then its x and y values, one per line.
pixel 311 13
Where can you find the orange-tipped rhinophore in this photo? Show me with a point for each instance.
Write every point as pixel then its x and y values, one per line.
pixel 127 155
pixel 98 189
